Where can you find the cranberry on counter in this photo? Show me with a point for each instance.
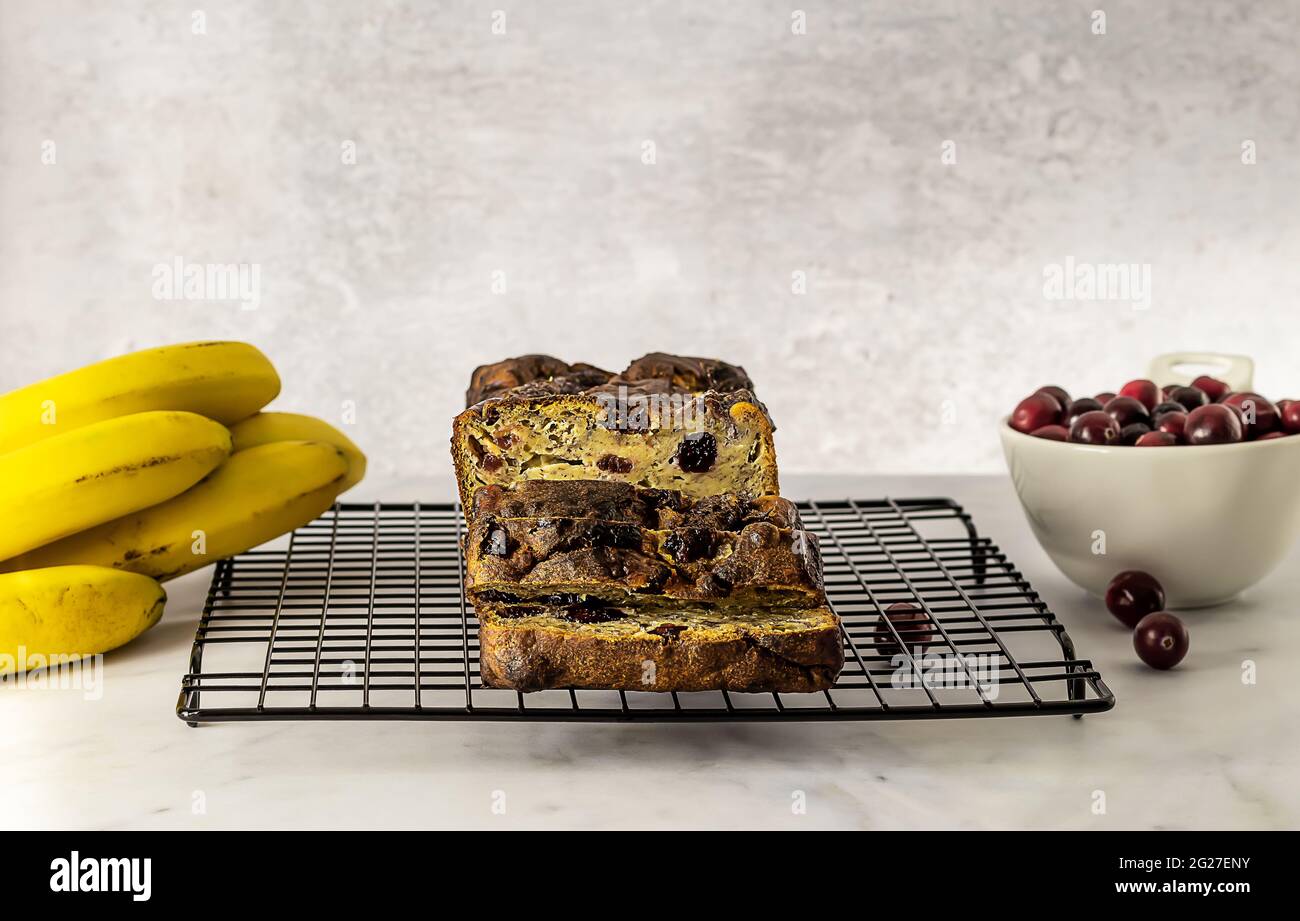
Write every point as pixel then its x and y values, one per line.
pixel 1144 391
pixel 1035 411
pixel 911 623
pixel 1156 440
pixel 1258 415
pixel 1160 640
pixel 1132 595
pixel 1095 428
pixel 1052 433
pixel 1212 387
pixel 1215 424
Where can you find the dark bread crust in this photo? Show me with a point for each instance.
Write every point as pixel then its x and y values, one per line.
pixel 532 653
pixel 496 378
pixel 657 372
pixel 626 564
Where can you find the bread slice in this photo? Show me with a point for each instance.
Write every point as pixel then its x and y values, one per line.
pixel 514 559
pixel 666 422
pixel 659 509
pixel 682 648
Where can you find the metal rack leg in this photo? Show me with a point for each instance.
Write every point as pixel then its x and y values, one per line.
pixel 1074 687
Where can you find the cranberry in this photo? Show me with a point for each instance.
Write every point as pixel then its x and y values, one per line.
pixel 1095 428
pixel 697 453
pixel 1258 415
pixel 1213 388
pixel 1127 410
pixel 1057 393
pixel 612 463
pixel 1160 640
pixel 1290 410
pixel 1130 433
pixel 1144 391
pixel 1079 407
pixel 1172 423
pixel 1132 595
pixel 1035 411
pixel 911 623
pixel 669 631
pixel 1104 397
pixel 1190 397
pixel 1214 424
pixel 1271 435
pixel 1167 407
pixel 1156 440
pixel 1052 433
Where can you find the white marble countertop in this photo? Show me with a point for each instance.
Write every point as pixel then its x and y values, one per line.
pixel 1192 748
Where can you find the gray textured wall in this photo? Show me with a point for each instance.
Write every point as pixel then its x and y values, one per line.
pixel 775 153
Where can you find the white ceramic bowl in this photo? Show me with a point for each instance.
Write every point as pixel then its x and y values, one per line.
pixel 1206 521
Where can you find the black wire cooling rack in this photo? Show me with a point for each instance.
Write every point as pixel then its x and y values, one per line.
pixel 362 615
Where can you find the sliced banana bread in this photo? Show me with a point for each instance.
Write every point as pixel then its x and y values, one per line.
pixel 666 422
pixel 659 509
pixel 508 559
pixel 531 647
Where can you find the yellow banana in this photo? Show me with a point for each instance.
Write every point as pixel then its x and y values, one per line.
pixel 65 613
pixel 267 428
pixel 253 497
pixel 225 381
pixel 99 472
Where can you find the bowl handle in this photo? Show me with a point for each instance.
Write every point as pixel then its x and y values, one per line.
pixel 1237 371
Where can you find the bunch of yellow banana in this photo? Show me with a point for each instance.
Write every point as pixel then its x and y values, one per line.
pixel 140 469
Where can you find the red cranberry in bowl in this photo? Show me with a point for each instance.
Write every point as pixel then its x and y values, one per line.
pixel 1126 411
pixel 1258 415
pixel 1095 428
pixel 1167 407
pixel 1132 595
pixel 1035 411
pixel 1130 433
pixel 1290 411
pixel 1052 433
pixel 1057 393
pixel 1160 640
pixel 1212 387
pixel 1214 424
pixel 1172 423
pixel 1079 407
pixel 1144 391
pixel 1190 397
pixel 1104 397
pixel 1156 440
pixel 1271 435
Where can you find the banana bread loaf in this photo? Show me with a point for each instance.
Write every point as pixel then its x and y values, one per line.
pixel 666 422
pixel 529 647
